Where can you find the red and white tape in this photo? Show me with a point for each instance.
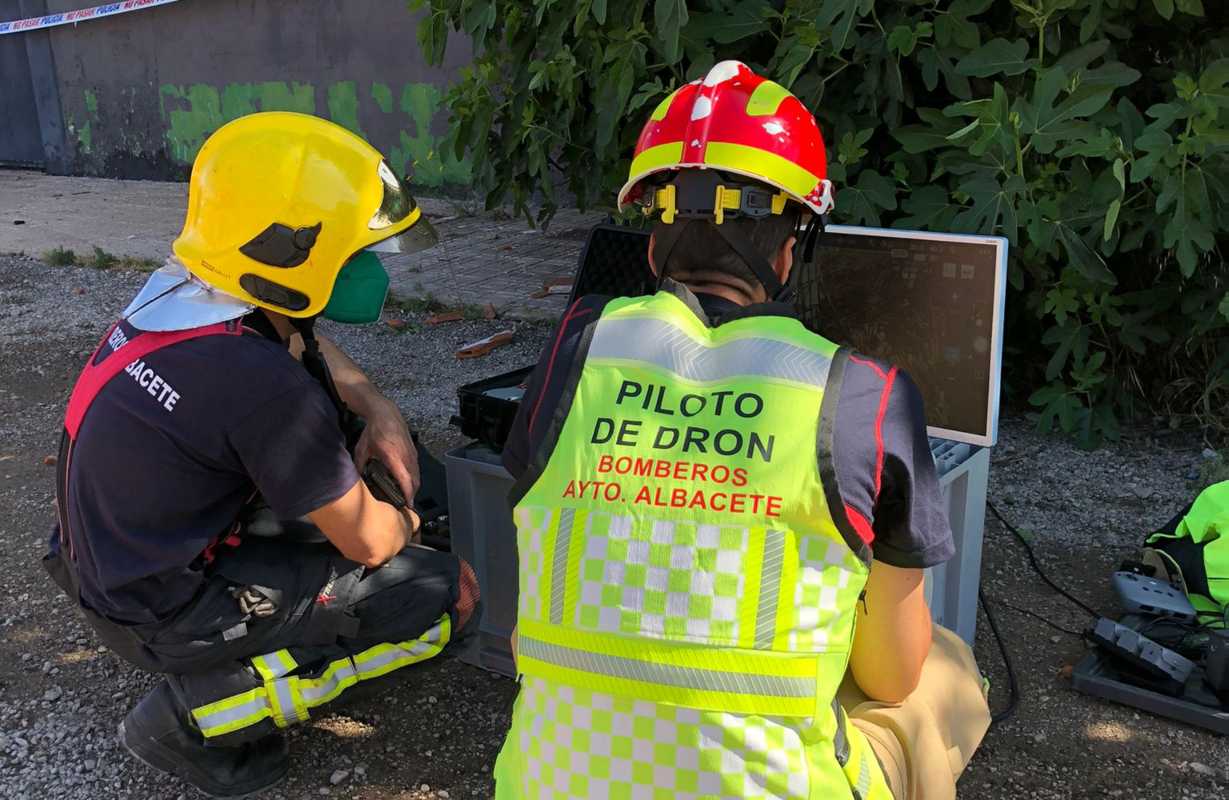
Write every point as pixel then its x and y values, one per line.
pixel 73 17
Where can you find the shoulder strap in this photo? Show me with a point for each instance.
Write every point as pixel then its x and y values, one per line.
pixel 95 376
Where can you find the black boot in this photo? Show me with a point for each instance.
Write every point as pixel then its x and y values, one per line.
pixel 160 733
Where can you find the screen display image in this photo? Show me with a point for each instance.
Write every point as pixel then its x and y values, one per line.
pixel 931 303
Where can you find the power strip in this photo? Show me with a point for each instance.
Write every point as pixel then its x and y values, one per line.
pixel 1142 653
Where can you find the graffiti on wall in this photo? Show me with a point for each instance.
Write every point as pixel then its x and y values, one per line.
pixel 397 120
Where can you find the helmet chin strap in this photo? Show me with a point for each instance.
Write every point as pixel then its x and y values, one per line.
pixel 318 368
pixel 755 261
pixel 804 254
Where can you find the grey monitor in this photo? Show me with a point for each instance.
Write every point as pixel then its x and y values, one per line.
pixel 931 303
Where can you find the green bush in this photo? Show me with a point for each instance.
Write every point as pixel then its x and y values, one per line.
pixel 1094 134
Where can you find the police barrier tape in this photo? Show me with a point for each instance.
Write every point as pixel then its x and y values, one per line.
pixel 72 17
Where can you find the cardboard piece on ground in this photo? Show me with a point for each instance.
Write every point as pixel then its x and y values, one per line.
pixel 445 316
pixel 484 346
pixel 554 286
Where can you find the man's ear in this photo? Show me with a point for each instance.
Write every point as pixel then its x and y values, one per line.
pixel 784 262
pixel 652 247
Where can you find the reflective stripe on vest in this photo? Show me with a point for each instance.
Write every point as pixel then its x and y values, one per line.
pixel 654 341
pixel 285 699
pixel 708 678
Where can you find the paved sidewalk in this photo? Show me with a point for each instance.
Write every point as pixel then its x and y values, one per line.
pixel 482 257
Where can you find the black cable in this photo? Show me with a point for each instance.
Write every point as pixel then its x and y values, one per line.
pixel 1013 687
pixel 1036 616
pixel 1037 567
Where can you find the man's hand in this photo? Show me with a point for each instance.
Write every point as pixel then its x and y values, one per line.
pixel 387 439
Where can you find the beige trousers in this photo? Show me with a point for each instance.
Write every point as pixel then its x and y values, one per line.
pixel 925 742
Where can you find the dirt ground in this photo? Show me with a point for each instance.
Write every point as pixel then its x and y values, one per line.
pixel 436 732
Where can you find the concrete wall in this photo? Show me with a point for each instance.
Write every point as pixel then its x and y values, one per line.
pixel 140 92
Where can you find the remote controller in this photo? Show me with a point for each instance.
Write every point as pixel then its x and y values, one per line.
pixel 1143 595
pixel 1142 653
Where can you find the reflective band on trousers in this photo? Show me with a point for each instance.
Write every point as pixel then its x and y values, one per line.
pixel 657 342
pixel 286 700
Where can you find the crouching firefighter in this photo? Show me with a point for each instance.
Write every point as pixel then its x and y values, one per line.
pixel 212 522
pixel 723 518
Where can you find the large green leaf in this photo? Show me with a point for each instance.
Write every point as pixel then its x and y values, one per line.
pixel 934 134
pixel 669 16
pixel 1047 124
pixel 936 61
pixel 837 18
pixel 1083 257
pixel 997 56
pixel 928 208
pixel 993 206
pixel 1186 193
pixel 1165 8
pixel 1214 82
pixel 863 202
pixel 612 98
pixel 743 19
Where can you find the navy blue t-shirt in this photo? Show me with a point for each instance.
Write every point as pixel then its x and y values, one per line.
pixel 151 483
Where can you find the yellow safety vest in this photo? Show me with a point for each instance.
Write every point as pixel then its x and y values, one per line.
pixel 687 593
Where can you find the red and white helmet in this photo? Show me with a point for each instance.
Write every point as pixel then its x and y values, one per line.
pixel 737 122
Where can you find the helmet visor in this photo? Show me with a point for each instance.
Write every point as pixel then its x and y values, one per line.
pixel 396 204
pixel 419 236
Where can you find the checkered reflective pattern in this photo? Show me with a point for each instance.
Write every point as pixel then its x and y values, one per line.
pixel 531 523
pixel 673 580
pixel 823 594
pixel 588 745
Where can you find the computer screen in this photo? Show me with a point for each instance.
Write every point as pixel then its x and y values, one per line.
pixel 931 303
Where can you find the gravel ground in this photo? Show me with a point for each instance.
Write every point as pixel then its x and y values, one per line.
pixel 435 734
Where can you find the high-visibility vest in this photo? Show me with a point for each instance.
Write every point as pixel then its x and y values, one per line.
pixel 687 593
pixel 1198 551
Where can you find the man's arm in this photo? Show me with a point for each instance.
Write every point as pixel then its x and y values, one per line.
pixel 893 633
pixel 363 528
pixel 887 479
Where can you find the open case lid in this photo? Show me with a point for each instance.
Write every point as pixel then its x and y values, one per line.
pixel 931 303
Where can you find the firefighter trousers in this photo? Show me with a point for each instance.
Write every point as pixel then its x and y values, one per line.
pixel 311 625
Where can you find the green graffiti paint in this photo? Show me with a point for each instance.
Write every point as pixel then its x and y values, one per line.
pixel 383 97
pixel 240 99
pixel 191 113
pixel 202 109
pixel 343 106
pixel 419 152
pixel 85 131
pixel 190 124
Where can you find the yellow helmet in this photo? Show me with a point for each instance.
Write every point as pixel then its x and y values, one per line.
pixel 279 202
